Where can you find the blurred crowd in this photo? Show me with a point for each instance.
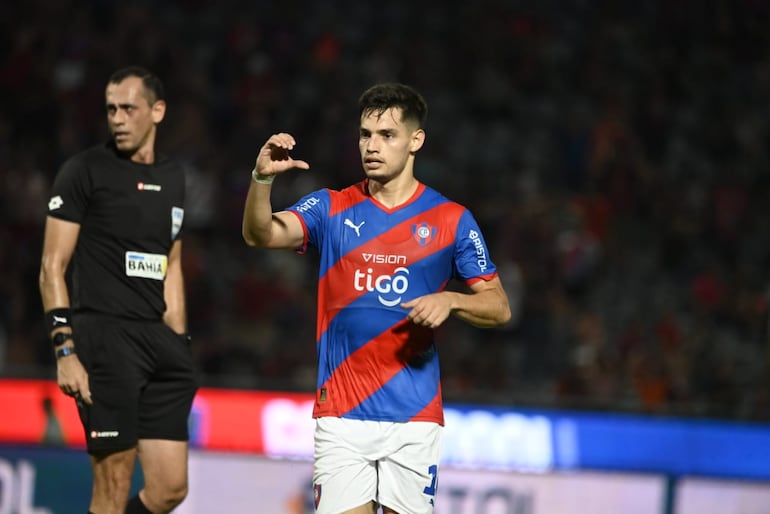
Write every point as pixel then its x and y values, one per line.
pixel 615 153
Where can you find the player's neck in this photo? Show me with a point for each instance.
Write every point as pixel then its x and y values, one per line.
pixel 393 192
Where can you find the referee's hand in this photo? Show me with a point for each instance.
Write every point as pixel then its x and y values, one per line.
pixel 73 379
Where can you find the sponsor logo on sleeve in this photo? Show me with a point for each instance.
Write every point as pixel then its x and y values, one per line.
pixel 177 216
pixel 308 204
pixel 55 202
pixel 481 252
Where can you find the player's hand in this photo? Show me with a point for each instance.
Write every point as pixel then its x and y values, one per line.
pixel 430 310
pixel 73 378
pixel 274 156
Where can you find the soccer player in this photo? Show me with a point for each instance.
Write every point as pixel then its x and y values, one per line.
pixel 118 327
pixel 388 247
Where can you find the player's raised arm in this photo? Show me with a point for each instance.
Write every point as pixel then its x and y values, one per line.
pixel 262 227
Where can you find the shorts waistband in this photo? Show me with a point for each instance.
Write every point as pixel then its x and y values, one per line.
pixel 112 318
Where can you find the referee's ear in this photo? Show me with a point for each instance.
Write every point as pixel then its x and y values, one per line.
pixel 158 111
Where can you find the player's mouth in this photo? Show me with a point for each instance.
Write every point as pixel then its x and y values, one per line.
pixel 373 164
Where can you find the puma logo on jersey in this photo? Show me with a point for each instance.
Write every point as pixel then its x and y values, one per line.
pixel 355 227
pixel 58 320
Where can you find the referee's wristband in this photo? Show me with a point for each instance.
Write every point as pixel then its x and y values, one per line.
pixel 63 352
pixel 261 179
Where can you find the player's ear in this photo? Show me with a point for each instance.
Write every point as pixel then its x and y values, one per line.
pixel 158 111
pixel 418 138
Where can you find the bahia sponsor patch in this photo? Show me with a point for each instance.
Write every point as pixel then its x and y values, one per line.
pixel 146 265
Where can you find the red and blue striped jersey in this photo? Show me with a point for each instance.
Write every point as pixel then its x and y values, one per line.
pixel 373 363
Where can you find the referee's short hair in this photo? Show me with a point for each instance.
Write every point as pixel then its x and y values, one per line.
pixel 152 84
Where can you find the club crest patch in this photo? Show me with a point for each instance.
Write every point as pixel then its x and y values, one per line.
pixel 423 233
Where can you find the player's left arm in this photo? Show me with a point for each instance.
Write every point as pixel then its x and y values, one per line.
pixel 485 306
pixel 173 291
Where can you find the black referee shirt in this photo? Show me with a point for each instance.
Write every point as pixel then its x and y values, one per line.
pixel 129 216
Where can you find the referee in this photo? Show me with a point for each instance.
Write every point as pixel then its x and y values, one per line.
pixel 118 323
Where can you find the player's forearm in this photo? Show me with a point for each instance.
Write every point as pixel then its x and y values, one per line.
pixel 257 215
pixel 486 309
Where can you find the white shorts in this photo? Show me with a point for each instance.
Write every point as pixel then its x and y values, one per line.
pixel 393 464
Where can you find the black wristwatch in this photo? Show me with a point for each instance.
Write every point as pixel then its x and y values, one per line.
pixel 60 338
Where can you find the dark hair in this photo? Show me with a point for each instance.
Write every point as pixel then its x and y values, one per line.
pixel 381 97
pixel 152 84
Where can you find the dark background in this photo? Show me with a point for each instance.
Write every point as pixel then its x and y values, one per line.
pixel 615 154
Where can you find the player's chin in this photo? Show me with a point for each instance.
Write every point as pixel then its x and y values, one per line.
pixel 376 174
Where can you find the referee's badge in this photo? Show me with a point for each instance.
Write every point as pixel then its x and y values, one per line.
pixel 177 215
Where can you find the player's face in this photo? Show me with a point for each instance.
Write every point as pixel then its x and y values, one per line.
pixel 387 144
pixel 130 116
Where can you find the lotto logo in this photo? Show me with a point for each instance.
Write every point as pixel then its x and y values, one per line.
pixel 54 203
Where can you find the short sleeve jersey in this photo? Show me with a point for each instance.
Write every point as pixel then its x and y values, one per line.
pixel 129 215
pixel 374 364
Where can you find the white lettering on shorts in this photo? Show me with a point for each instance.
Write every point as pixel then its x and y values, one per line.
pixel 101 434
pixel 146 265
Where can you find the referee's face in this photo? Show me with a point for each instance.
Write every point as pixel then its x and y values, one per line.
pixel 132 116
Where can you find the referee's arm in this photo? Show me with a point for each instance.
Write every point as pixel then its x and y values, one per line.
pixel 58 246
pixel 173 291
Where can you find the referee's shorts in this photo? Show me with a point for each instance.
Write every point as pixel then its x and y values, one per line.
pixel 142 380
